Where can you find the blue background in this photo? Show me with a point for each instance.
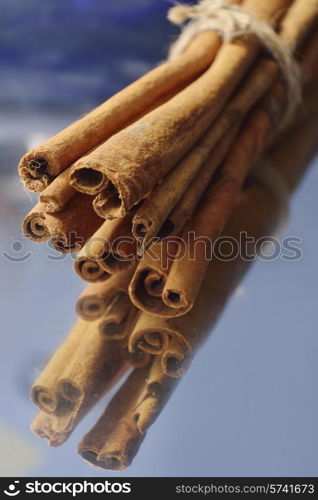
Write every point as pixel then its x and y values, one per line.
pixel 248 405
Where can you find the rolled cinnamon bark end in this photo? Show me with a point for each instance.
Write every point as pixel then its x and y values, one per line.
pixel 90 269
pixel 36 170
pixel 148 336
pixel 43 427
pixel 139 290
pixel 95 298
pixel 112 248
pixel 139 358
pixel 145 292
pixel 162 337
pixel 107 203
pixel 34 225
pixel 55 197
pixel 68 229
pixel 148 283
pixel 87 179
pixel 116 437
pixel 44 392
pixel 91 307
pixel 45 398
pixel 176 357
pixel 119 315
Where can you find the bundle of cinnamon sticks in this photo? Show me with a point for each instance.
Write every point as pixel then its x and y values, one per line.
pixel 140 189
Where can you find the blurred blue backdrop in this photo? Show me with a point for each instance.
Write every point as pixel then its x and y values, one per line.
pixel 248 405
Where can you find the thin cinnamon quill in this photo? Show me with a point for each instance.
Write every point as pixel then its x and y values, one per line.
pixel 68 229
pixel 152 214
pixel 158 337
pixel 111 249
pixel 38 167
pixel 183 211
pixel 118 319
pixel 43 427
pixel 132 162
pixel 55 197
pixel 116 437
pixel 81 371
pixel 95 298
pixel 147 285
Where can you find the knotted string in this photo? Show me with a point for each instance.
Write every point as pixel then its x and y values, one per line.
pixel 230 22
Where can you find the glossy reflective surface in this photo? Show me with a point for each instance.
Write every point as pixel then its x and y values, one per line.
pixel 248 405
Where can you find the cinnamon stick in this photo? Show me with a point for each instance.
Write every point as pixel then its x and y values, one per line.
pixel 116 437
pixel 38 167
pixel 81 371
pixel 55 197
pixel 111 249
pixel 132 162
pixel 183 211
pixel 159 337
pixel 43 427
pixel 43 392
pixel 147 285
pixel 95 298
pixel 68 230
pixel 118 318
pixel 151 215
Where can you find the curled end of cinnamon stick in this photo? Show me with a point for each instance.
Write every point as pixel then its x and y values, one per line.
pixel 44 398
pixel 139 358
pixel 87 180
pixel 149 341
pixel 43 427
pixel 34 227
pixel 34 170
pixel 90 270
pixel 146 289
pixel 90 307
pixel 107 203
pixel 175 361
pixel 176 300
pixel 118 316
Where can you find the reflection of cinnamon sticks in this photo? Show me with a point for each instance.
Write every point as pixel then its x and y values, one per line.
pixel 116 437
pixel 112 248
pixel 68 229
pixel 95 298
pixel 43 427
pixel 80 372
pixel 119 316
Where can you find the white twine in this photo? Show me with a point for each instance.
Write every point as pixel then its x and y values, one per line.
pixel 269 177
pixel 232 21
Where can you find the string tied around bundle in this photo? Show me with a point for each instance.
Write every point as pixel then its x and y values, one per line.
pixel 233 21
